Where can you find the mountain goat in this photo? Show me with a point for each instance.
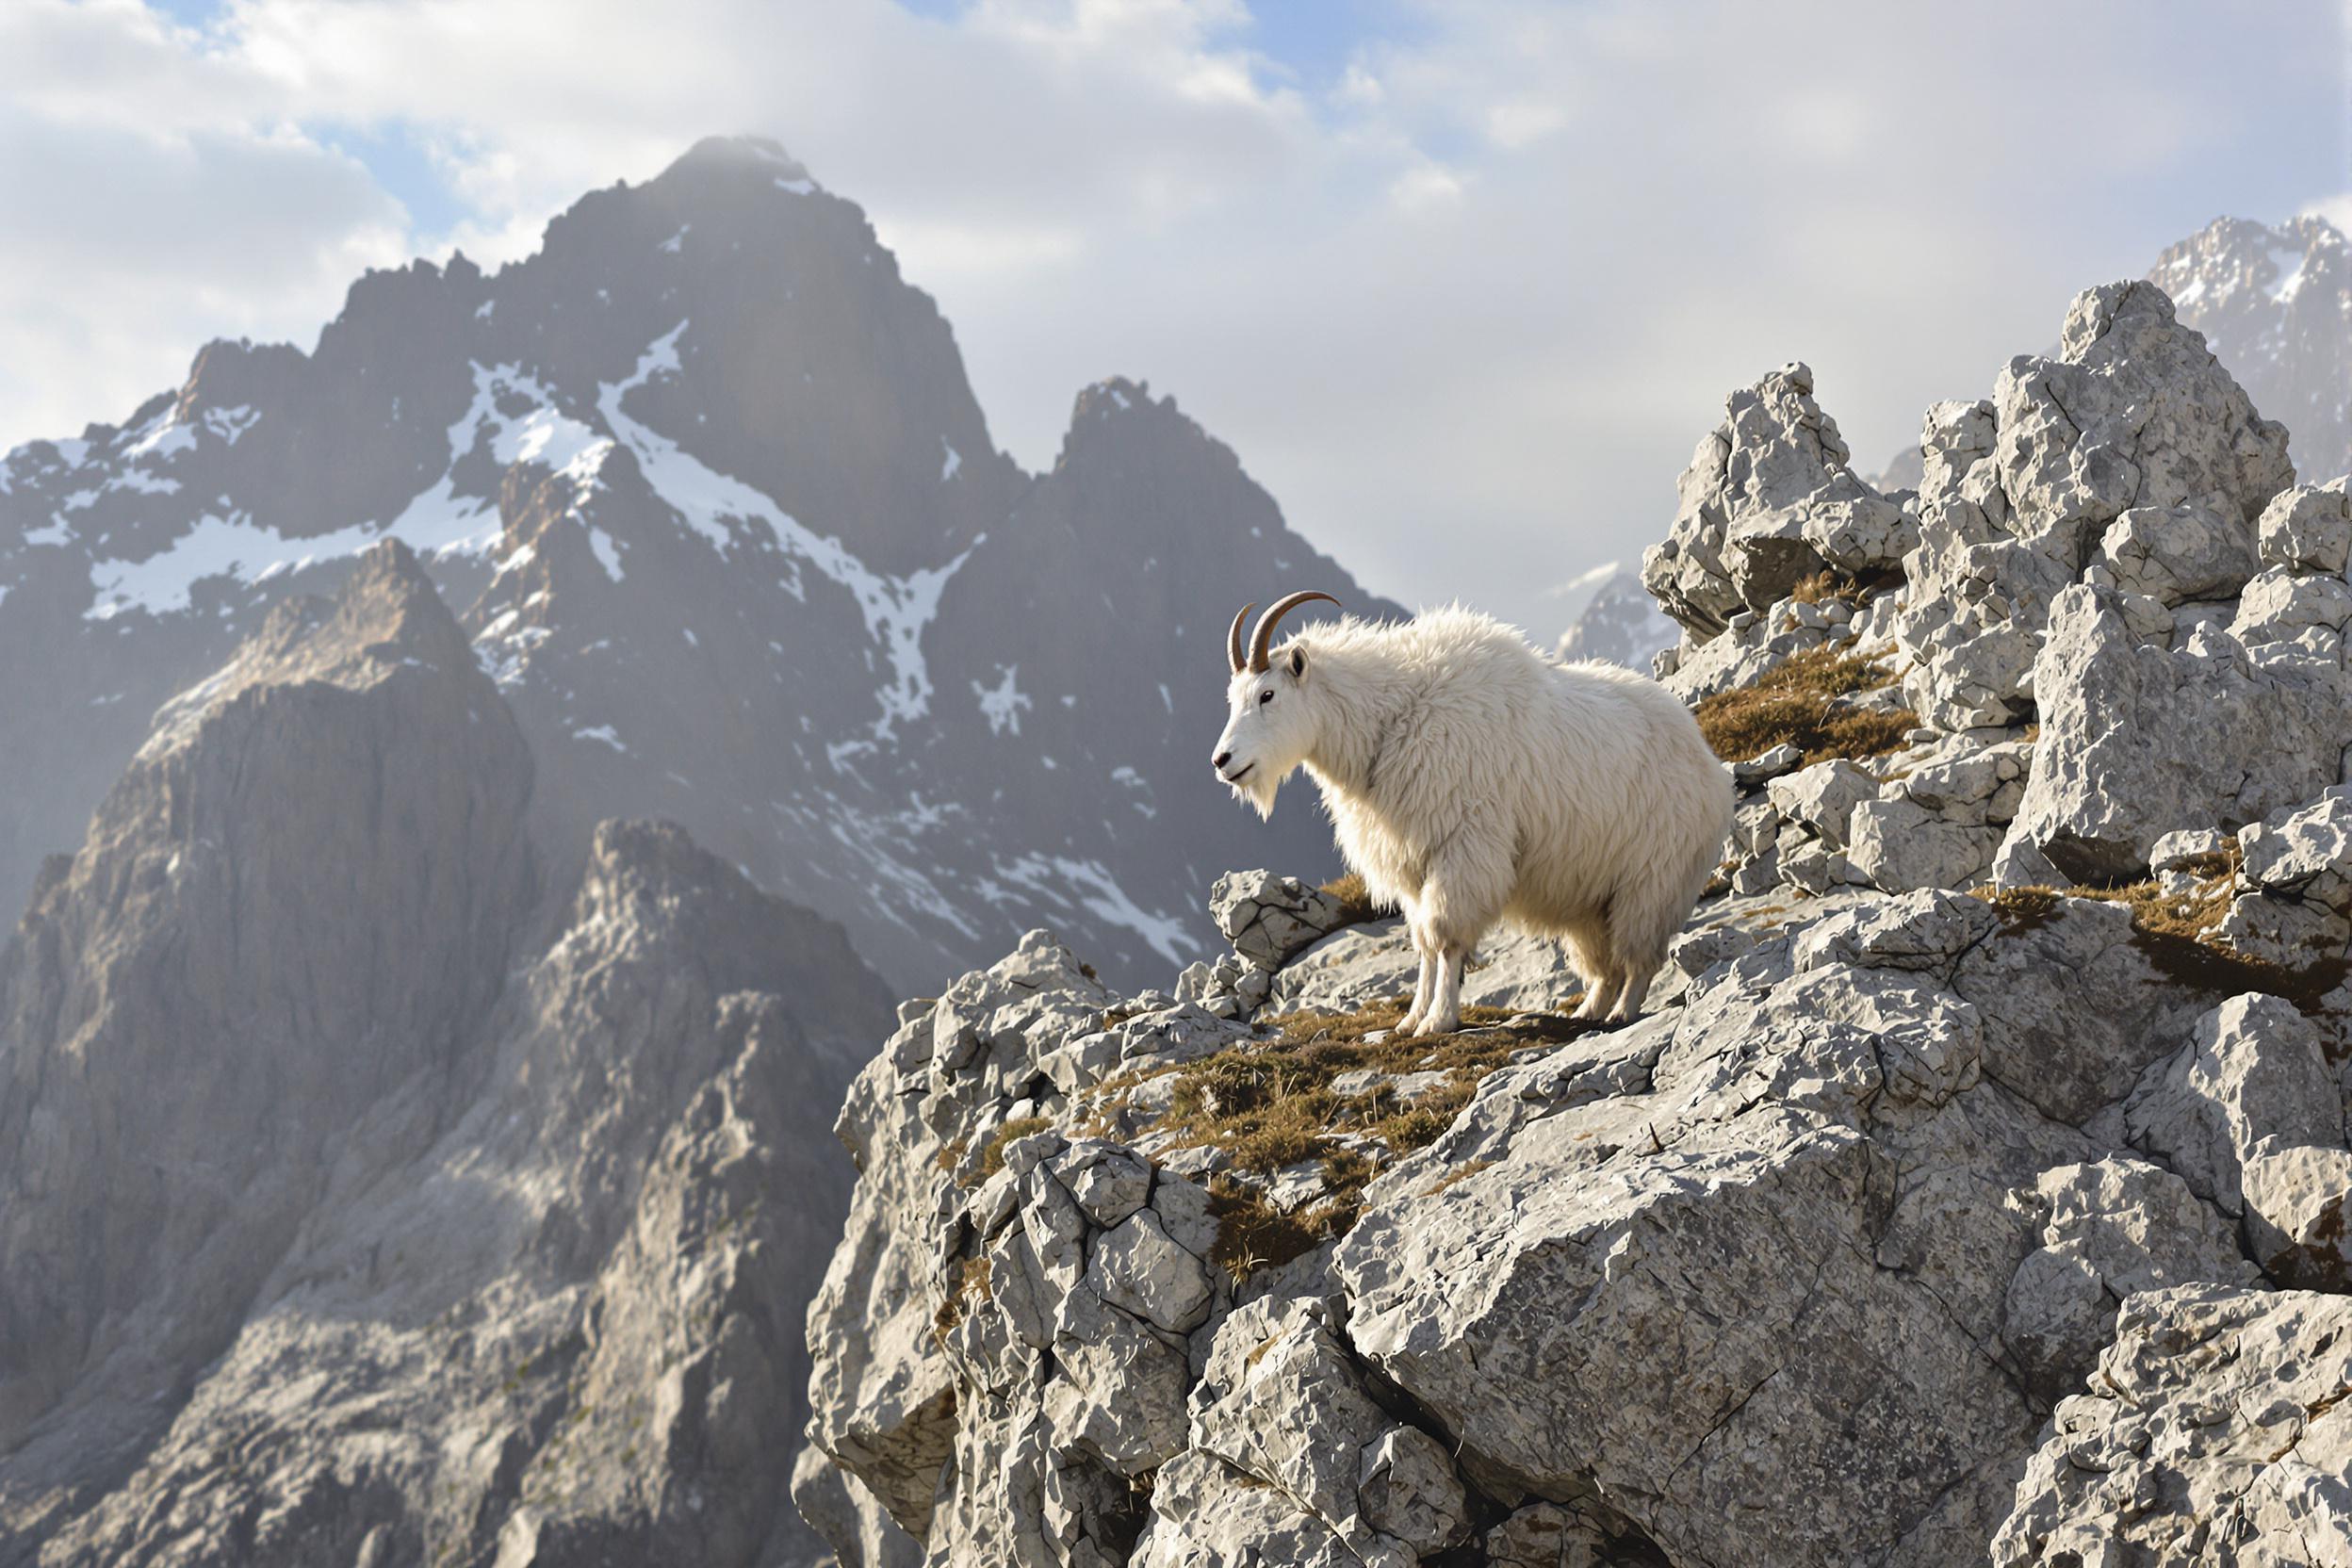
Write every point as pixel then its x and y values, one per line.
pixel 1471 779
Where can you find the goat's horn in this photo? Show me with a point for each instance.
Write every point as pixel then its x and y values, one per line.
pixel 1261 640
pixel 1232 639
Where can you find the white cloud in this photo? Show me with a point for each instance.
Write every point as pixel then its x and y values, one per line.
pixel 1464 311
pixel 2336 209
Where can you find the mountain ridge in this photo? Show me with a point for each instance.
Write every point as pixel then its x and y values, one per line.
pixel 708 410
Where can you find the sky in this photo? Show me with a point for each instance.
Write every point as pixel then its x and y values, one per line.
pixel 1462 282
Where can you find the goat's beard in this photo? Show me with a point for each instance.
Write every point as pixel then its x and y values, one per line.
pixel 1258 791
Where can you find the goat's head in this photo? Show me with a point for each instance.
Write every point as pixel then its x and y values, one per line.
pixel 1272 722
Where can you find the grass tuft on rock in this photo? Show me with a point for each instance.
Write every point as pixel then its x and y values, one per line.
pixel 1350 891
pixel 1824 586
pixel 992 1154
pixel 968 1280
pixel 1795 703
pixel 1269 1104
pixel 2176 932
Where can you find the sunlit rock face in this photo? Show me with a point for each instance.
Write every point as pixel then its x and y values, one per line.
pixel 2275 304
pixel 1976 1188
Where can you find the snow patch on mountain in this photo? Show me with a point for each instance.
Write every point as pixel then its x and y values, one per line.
pixel 230 423
pixel 437 521
pixel 608 554
pixel 2289 267
pixel 896 608
pixel 1088 884
pixel 1002 703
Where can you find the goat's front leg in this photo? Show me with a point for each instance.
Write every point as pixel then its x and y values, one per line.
pixel 1444 1014
pixel 1411 1023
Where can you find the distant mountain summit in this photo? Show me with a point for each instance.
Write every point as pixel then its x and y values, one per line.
pixel 2275 304
pixel 1619 622
pixel 730 534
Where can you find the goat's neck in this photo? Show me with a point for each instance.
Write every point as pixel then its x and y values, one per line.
pixel 1346 754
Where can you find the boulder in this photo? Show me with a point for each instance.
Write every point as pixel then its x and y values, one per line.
pixel 2308 529
pixel 2109 1228
pixel 1770 497
pixel 2139 740
pixel 2218 1431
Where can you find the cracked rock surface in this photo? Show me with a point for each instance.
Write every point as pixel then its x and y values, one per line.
pixel 1975 1189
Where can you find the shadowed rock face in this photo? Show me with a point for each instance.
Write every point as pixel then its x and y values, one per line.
pixel 707 482
pixel 297 901
pixel 362 1206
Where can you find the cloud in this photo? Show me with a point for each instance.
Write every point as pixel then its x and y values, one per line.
pixel 148 211
pixel 1464 308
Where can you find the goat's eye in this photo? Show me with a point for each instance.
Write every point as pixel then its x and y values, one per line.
pixel 1265 697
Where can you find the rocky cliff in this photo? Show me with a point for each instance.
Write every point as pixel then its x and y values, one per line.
pixel 1974 1190
pixel 706 483
pixel 368 1201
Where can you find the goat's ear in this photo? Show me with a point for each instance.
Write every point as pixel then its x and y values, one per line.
pixel 1298 662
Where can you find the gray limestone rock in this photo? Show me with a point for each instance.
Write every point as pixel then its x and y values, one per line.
pixel 2216 1433
pixel 1267 918
pixel 1821 797
pixel 2109 1228
pixel 2134 417
pixel 2308 529
pixel 2138 739
pixel 1771 498
pixel 2253 1075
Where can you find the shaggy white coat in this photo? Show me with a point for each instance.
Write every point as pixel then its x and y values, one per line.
pixel 1472 780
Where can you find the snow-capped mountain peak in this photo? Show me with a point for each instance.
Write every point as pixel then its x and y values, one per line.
pixel 732 537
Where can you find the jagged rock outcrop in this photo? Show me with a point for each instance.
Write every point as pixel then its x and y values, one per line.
pixel 2056 474
pixel 1915 1139
pixel 2216 1431
pixel 365 1201
pixel 1770 498
pixel 2120 619
pixel 1802 1267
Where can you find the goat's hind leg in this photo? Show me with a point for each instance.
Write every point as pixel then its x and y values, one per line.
pixel 1589 956
pixel 1633 984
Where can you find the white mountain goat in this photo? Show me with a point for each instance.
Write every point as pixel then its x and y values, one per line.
pixel 1472 780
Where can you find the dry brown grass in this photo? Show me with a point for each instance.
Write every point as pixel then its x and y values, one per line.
pixel 2176 932
pixel 1822 587
pixel 1791 704
pixel 1350 889
pixel 993 1154
pixel 1462 1172
pixel 968 1278
pixel 1269 1104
